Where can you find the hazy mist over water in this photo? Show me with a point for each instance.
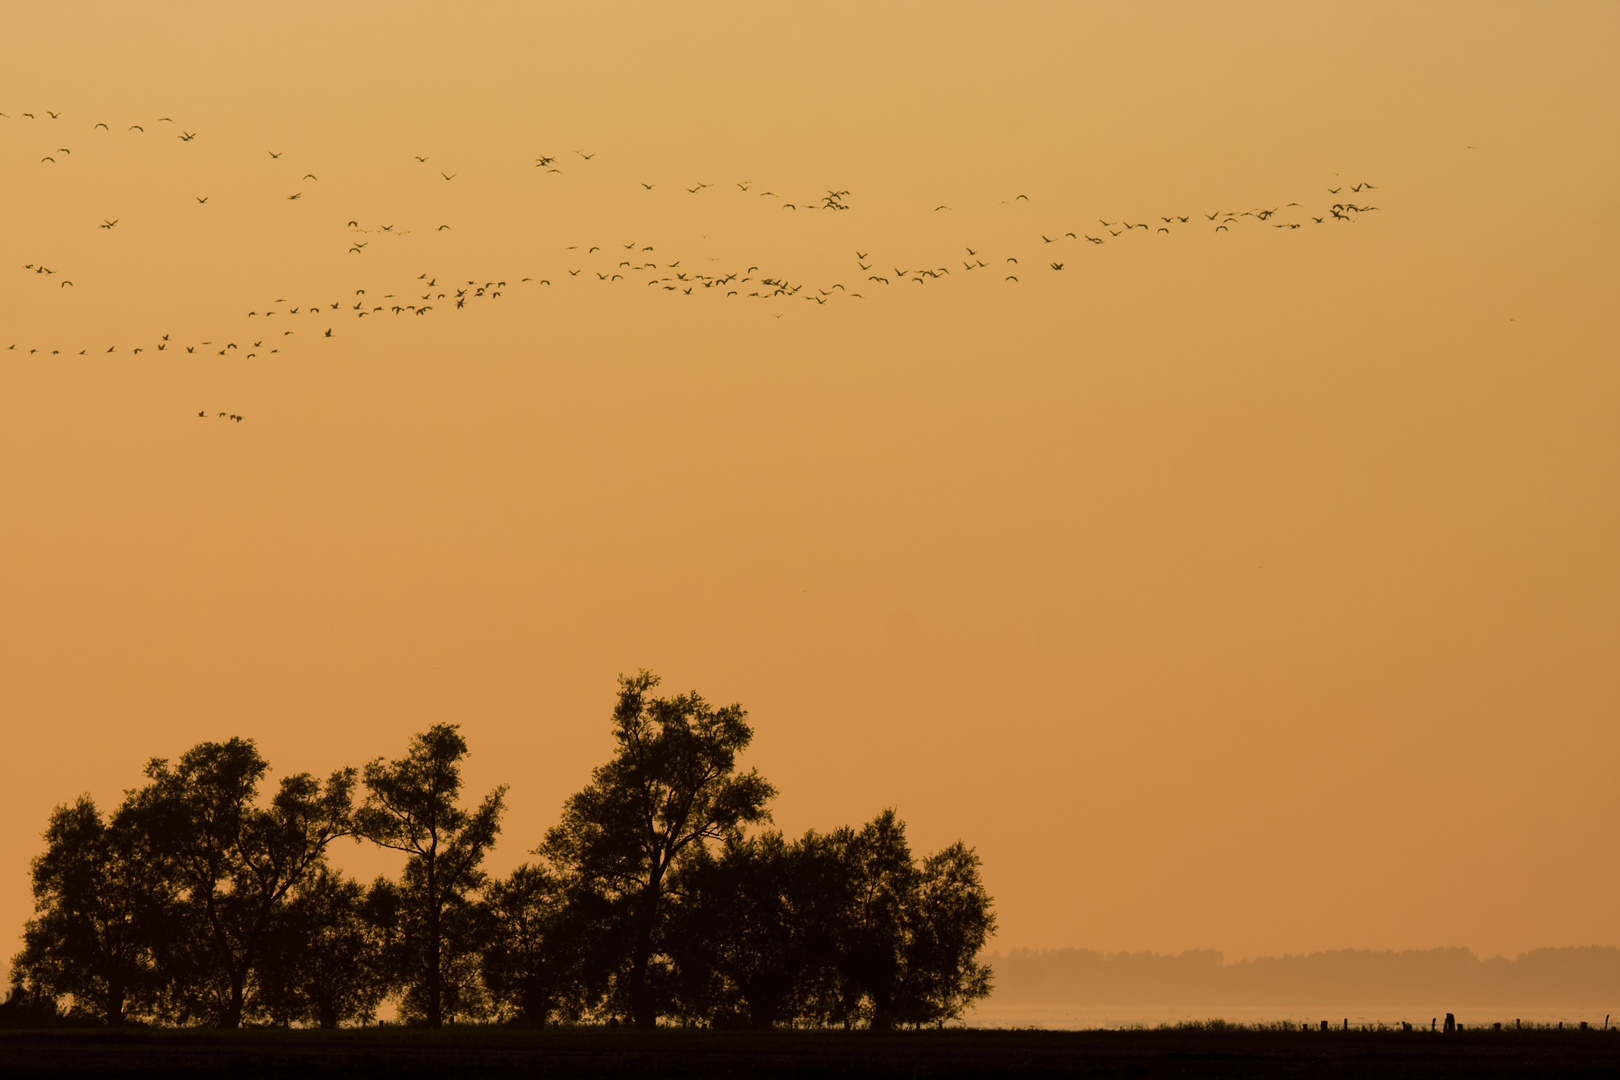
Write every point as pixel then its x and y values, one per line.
pixel 1071 988
pixel 993 1014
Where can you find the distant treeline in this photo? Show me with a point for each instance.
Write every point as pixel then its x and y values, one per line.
pixel 1570 976
pixel 197 902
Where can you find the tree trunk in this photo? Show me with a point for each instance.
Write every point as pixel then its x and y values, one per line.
pixel 644 1012
pixel 435 1013
pixel 882 1014
pixel 115 1005
pixel 233 1010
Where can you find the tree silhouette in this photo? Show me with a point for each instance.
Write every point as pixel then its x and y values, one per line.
pixel 324 961
pixel 874 953
pixel 950 922
pixel 909 954
pixel 544 955
pixel 411 806
pixel 102 904
pixel 233 862
pixel 756 935
pixel 671 787
pixel 194 902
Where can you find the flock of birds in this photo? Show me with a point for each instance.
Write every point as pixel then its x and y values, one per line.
pixel 644 265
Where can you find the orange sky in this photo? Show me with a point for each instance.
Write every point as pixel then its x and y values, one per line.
pixel 1252 590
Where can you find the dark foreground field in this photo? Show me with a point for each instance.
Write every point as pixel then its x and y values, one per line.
pixel 476 1052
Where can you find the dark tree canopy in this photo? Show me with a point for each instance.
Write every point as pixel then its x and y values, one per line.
pixel 323 964
pixel 234 863
pixel 914 931
pixel 671 787
pixel 102 912
pixel 759 929
pixel 198 902
pixel 546 952
pixel 412 806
